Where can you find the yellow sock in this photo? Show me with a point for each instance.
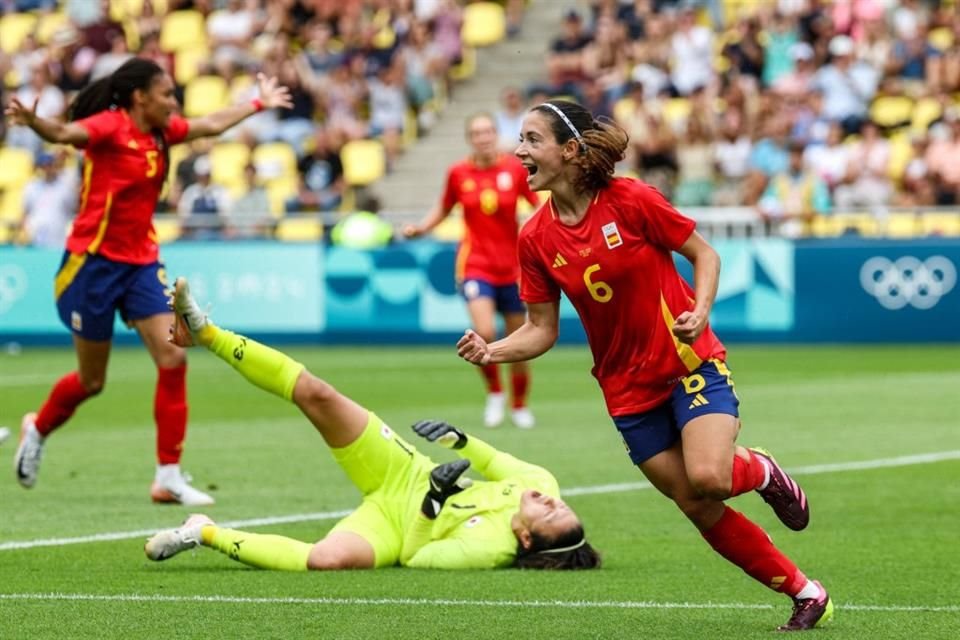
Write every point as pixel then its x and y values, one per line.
pixel 265 367
pixel 263 551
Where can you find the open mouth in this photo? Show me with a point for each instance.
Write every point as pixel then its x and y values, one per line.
pixel 531 169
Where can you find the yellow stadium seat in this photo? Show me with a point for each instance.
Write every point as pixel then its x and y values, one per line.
pixel 187 61
pixel 825 227
pixel 484 24
pixel 121 10
pixel 185 28
pixel 300 229
pixel 902 225
pixel 450 230
pixel 167 228
pixel 228 160
pixel 48 25
pixel 177 153
pixel 6 234
pixel 623 109
pixel 925 111
pixel 863 224
pixel 278 192
pixel 467 66
pixel 941 38
pixel 676 111
pixel 275 161
pixel 940 224
pixel 411 128
pixel 364 162
pixel 11 205
pixel 891 111
pixel 901 152
pixel 203 95
pixel 14 27
pixel 17 166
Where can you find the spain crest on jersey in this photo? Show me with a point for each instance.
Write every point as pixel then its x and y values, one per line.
pixel 612 235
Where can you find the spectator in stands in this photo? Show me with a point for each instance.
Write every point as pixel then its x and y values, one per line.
pixel 231 30
pixel 848 85
pixel 827 156
pixel 110 61
pixel 745 52
pixel 778 44
pixel 652 145
pixel 49 101
pixel 918 188
pixel 912 60
pixel 98 34
pixel 565 62
pixel 425 68
pixel 941 158
pixel 203 206
pixel 49 202
pixel 295 125
pixel 652 56
pixel 509 118
pixel 868 182
pixel 692 54
pixel 769 157
pixel 388 109
pixel 695 157
pixel 799 81
pixel 71 59
pixel 249 216
pixel 732 158
pixel 794 196
pixel 605 59
pixel 321 184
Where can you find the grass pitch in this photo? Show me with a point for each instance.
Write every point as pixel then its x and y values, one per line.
pixel 883 537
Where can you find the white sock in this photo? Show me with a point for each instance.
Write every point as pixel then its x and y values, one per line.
pixel 167 473
pixel 766 473
pixel 809 590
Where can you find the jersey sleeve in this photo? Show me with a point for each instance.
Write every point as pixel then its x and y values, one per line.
pixel 661 223
pixel 450 192
pixel 535 285
pixel 100 127
pixel 497 465
pixel 485 546
pixel 176 132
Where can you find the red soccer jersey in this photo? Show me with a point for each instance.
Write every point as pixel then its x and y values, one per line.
pixel 123 173
pixel 489 197
pixel 617 269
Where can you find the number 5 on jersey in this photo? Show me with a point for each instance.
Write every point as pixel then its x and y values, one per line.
pixel 599 290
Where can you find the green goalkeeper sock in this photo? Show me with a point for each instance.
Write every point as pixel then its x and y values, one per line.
pixel 263 551
pixel 265 367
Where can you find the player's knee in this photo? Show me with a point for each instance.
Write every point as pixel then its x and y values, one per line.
pixel 93 384
pixel 312 391
pixel 710 482
pixel 324 557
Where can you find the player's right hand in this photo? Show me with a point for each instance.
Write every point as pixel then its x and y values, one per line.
pixel 473 348
pixel 411 231
pixel 445 480
pixel 443 433
pixel 19 114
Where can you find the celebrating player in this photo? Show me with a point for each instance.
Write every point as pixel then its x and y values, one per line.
pixel 126 123
pixel 488 185
pixel 414 513
pixel 606 243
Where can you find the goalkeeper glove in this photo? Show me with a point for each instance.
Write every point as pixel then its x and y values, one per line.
pixel 445 481
pixel 443 433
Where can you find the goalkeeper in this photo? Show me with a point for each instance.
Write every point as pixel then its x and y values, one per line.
pixel 414 513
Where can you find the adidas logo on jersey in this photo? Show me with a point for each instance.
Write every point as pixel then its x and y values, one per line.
pixel 559 261
pixel 698 401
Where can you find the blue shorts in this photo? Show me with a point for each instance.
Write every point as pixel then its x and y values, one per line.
pixel 90 289
pixel 506 298
pixel 707 390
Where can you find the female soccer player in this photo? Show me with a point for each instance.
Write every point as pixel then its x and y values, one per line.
pixel 126 123
pixel 413 513
pixel 488 185
pixel 606 243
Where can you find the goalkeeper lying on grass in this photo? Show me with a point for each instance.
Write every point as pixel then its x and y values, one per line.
pixel 414 513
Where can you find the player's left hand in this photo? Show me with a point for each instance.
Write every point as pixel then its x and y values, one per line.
pixel 445 481
pixel 441 432
pixel 271 95
pixel 688 326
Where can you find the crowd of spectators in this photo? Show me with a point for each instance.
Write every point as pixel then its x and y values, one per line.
pixel 794 107
pixel 356 69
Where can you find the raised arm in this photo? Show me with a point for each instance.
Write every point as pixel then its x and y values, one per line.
pixel 533 338
pixel 271 97
pixel 429 222
pixel 50 130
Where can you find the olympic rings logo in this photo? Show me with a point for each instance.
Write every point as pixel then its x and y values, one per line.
pixel 13 284
pixel 908 281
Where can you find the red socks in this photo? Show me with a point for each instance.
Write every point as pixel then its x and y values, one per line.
pixel 747 476
pixel 63 400
pixel 491 373
pixel 170 413
pixel 520 383
pixel 749 547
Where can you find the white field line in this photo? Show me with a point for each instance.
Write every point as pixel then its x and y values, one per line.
pixel 444 602
pixel 900 461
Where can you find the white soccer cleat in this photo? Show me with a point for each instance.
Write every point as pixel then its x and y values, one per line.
pixel 189 318
pixel 171 485
pixel 493 412
pixel 523 418
pixel 4 434
pixel 169 542
pixel 26 462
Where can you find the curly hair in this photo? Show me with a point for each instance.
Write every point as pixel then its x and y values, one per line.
pixel 602 141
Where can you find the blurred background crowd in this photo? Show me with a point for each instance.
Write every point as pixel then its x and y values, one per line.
pixel 795 109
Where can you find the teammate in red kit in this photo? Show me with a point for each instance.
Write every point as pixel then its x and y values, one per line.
pixel 488 185
pixel 126 123
pixel 607 244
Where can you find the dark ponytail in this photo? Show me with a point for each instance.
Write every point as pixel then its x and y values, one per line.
pixel 570 552
pixel 116 91
pixel 602 141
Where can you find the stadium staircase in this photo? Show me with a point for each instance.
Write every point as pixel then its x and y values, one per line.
pixel 416 180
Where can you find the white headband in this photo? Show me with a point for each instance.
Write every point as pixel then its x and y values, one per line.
pixel 566 120
pixel 582 542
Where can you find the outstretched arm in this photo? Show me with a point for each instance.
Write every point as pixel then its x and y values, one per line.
pixel 271 97
pixel 50 130
pixel 432 219
pixel 533 338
